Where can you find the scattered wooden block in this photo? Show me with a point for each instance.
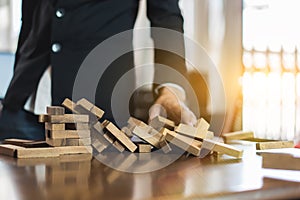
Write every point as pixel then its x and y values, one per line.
pixel 91 107
pixel 70 105
pixel 68 142
pixel 54 127
pixel 280 161
pixel 120 136
pixel 144 148
pixel 143 133
pixel 109 137
pixel 274 145
pixel 9 149
pixel 136 122
pixel 202 128
pixel 160 122
pixel 186 143
pixel 222 148
pixel 15 141
pixel 26 143
pixel 238 135
pixel 67 118
pixel 55 110
pixel 69 134
pixel 190 131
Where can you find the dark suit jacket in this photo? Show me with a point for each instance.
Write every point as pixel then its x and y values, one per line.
pixel 61 33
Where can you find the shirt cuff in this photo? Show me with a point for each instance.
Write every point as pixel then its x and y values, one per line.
pixel 177 89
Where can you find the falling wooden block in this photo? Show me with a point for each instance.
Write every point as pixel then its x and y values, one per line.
pixel 274 145
pixel 136 122
pixel 67 118
pixel 222 148
pixel 54 127
pixel 143 133
pixel 238 135
pixel 119 135
pixel 190 131
pixel 88 106
pixel 186 143
pixel 70 105
pixel 68 142
pixel 73 134
pixel 55 110
pixel 160 122
pixel 280 161
pixel 144 148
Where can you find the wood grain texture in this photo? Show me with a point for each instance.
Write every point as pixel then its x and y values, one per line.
pixel 238 135
pixel 55 110
pixel 67 118
pixel 274 145
pixel 160 122
pixel 144 148
pixel 143 133
pixel 70 105
pixel 222 148
pixel 75 134
pixel 280 161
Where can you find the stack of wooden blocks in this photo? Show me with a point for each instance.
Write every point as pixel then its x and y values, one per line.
pixel 83 128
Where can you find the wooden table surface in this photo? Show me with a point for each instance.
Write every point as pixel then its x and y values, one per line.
pixel 83 177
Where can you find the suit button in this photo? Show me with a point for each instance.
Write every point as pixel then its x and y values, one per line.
pixel 60 13
pixel 56 47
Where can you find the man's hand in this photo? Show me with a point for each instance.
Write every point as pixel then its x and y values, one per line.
pixel 172 107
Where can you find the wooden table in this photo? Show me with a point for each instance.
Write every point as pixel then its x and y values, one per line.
pixel 81 177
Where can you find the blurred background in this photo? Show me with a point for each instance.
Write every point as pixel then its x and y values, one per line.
pixel 253 43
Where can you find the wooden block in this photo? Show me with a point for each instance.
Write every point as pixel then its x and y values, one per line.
pixel 136 122
pixel 118 146
pixel 70 105
pixel 144 148
pixel 202 128
pixel 210 135
pixel 120 136
pixel 54 127
pixel 74 134
pixel 25 143
pixel 43 118
pixel 109 137
pixel 143 133
pixel 186 143
pixel 190 131
pixel 97 137
pixel 55 110
pixel 91 107
pixel 68 142
pixel 274 145
pixel 238 135
pixel 280 161
pixel 160 122
pixel 9 149
pixel 67 118
pixel 66 150
pixel 222 148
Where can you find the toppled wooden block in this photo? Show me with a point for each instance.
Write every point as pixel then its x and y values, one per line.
pixel 200 132
pixel 120 136
pixel 55 110
pixel 84 103
pixel 144 134
pixel 274 145
pixel 66 118
pixel 280 161
pixel 136 122
pixel 68 142
pixel 221 148
pixel 144 148
pixel 188 144
pixel 160 122
pixel 238 135
pixel 68 134
pixel 165 147
pixel 70 105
